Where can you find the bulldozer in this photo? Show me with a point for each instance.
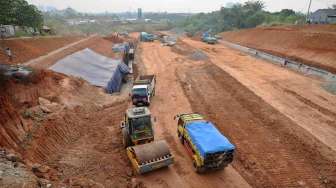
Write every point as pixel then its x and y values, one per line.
pixel 145 154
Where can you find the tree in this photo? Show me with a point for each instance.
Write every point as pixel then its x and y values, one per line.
pixel 254 6
pixel 287 12
pixel 20 13
pixel 7 12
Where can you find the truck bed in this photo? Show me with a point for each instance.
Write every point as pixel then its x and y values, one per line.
pixel 144 79
pixel 207 139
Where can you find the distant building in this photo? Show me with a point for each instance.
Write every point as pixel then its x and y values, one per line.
pixel 323 16
pixel 139 13
pixel 7 31
pixel 46 29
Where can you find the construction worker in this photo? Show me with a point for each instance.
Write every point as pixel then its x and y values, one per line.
pixel 9 54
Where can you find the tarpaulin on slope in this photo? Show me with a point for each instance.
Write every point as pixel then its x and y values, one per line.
pixel 207 138
pixel 97 69
pixel 121 47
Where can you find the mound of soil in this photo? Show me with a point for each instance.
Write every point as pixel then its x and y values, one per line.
pixel 64 128
pixel 95 43
pixel 16 97
pixel 114 38
pixel 313 45
pixel 29 48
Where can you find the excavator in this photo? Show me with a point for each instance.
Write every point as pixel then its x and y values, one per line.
pixel 145 154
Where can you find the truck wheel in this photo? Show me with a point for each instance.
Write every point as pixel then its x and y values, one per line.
pixel 180 137
pixel 126 139
pixel 199 170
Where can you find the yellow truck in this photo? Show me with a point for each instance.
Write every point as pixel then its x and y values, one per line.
pixel 208 148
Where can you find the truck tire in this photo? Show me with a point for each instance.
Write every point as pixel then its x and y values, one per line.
pixel 126 138
pixel 199 170
pixel 180 137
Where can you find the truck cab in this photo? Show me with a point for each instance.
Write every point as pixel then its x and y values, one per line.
pixel 140 95
pixel 143 90
pixel 208 148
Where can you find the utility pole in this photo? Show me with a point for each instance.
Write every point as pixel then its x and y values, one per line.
pixel 308 13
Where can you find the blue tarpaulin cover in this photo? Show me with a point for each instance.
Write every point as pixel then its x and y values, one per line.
pixel 95 68
pixel 206 137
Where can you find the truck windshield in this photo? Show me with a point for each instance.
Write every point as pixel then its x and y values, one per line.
pixel 140 92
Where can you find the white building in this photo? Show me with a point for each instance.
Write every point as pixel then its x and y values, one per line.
pixel 323 16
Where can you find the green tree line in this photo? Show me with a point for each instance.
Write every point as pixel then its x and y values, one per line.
pixel 239 16
pixel 20 13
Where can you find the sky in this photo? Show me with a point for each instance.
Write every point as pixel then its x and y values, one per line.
pixel 189 6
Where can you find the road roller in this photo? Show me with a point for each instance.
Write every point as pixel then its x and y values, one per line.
pixel 144 153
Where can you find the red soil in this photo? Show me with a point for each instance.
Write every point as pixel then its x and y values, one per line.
pixel 29 48
pixel 312 44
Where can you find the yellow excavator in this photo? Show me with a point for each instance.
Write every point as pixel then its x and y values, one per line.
pixel 144 153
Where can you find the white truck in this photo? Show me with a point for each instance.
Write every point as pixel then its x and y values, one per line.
pixel 143 90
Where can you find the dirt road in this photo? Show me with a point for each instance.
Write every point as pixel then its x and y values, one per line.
pixel 169 101
pixel 300 98
pixel 253 122
pixel 272 149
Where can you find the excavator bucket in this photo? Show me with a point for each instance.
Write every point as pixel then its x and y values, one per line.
pixel 149 157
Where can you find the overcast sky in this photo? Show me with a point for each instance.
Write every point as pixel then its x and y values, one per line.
pixel 174 5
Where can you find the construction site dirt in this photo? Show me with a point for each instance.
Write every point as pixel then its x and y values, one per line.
pixel 67 131
pixel 30 48
pixel 313 45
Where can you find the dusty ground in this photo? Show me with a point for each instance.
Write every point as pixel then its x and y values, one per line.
pixel 29 48
pixel 300 98
pixel 78 136
pixel 68 131
pixel 169 101
pixel 95 43
pixel 314 45
pixel 64 126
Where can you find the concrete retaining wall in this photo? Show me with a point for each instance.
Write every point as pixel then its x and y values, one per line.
pixel 294 65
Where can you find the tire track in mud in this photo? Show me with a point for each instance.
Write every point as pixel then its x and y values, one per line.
pixel 169 101
pixel 321 109
pixel 272 150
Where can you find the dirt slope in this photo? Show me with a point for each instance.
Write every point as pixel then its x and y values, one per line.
pixel 30 48
pixel 313 45
pixel 77 136
pixel 66 125
pixel 95 43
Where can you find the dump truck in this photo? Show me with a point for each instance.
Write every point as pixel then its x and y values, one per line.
pixel 144 153
pixel 208 148
pixel 143 90
pixel 146 37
